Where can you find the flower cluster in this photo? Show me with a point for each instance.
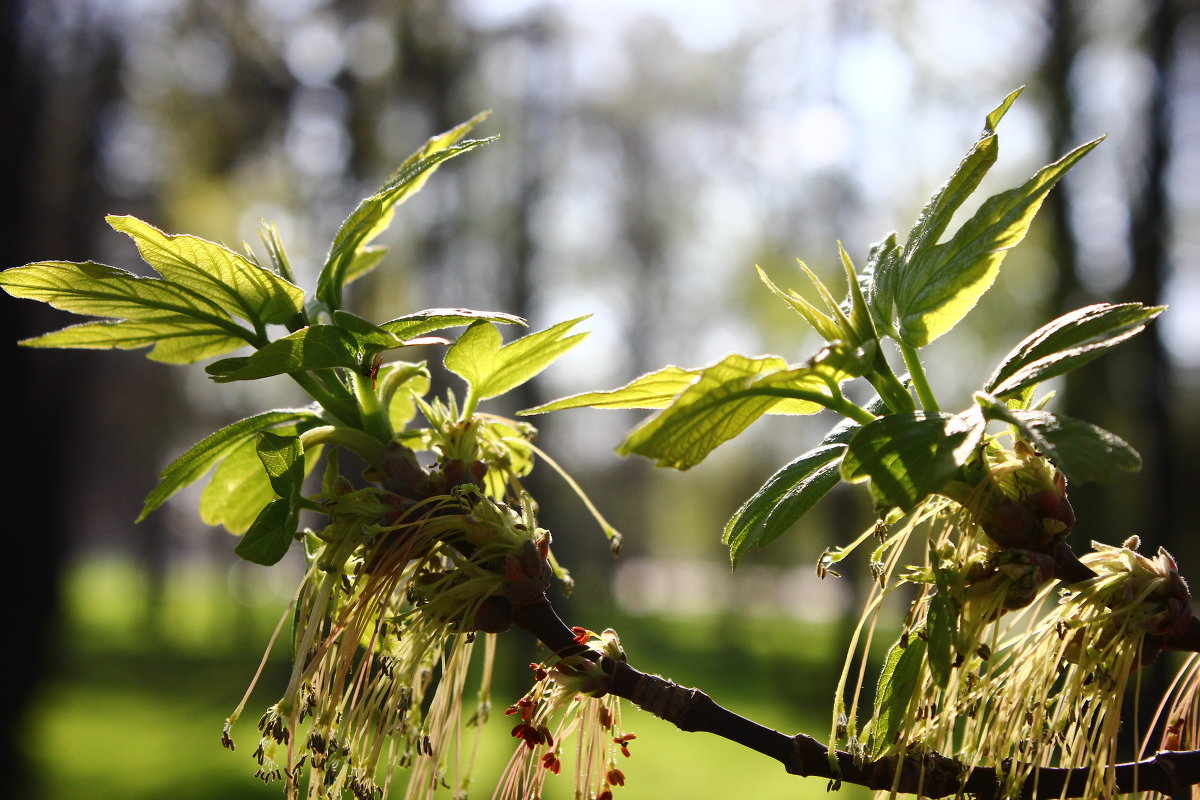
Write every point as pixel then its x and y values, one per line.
pixel 405 574
pixel 570 698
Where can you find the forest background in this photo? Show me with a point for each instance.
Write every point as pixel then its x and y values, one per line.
pixel 651 153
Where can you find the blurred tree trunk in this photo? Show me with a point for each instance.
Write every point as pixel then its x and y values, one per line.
pixel 40 161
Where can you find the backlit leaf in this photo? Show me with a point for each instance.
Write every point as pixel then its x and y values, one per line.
pixel 1068 342
pixel 419 323
pixel 726 398
pixel 229 279
pixel 200 457
pixel 492 369
pixel 175 339
pixel 283 459
pixel 652 390
pixel 940 283
pixel 373 215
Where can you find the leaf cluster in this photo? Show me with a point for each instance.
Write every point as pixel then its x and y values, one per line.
pixel 911 292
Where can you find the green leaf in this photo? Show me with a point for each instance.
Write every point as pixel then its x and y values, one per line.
pixel 312 348
pixel 283 459
pixel 399 386
pixel 1068 342
pixel 909 456
pixel 200 457
pixel 896 691
pixel 1084 452
pixel 190 326
pixel 491 369
pixel 420 323
pixel 237 491
pixel 652 390
pixel 229 279
pixel 722 402
pixel 373 215
pixel 239 487
pixel 782 500
pixel 176 340
pixel 365 260
pixel 270 535
pixel 941 624
pixel 940 283
pixel 819 321
pixel 889 265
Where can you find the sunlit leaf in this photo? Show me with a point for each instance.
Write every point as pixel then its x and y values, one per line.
pixel 722 402
pixel 1083 451
pixel 239 487
pixel 782 500
pixel 229 279
pixel 819 321
pixel 175 339
pixel 492 369
pixel 940 283
pixel 374 214
pixel 237 491
pixel 909 456
pixel 419 323
pixel 1068 342
pixel 200 457
pixel 652 390
pixel 312 348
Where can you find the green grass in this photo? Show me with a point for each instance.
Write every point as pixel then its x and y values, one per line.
pixel 136 710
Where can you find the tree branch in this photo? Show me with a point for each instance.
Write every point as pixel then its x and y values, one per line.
pixel 931 775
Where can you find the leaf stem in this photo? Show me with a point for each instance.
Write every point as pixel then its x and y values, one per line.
pixel 374 419
pixel 353 439
pixel 916 371
pixel 835 401
pixel 892 392
pixel 337 407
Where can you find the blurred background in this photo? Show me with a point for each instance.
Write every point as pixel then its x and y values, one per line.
pixel 650 154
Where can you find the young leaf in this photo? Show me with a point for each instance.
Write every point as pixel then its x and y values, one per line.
pixel 941 624
pixel 782 500
pixel 908 457
pixel 721 403
pixel 940 283
pixel 188 325
pixel 312 348
pixel 283 459
pixel 435 319
pixel 652 390
pixel 176 340
pixel 239 487
pixel 200 457
pixel 1066 343
pixel 269 536
pixel 374 214
pixel 819 321
pixel 491 369
pixel 1084 452
pixel 229 279
pixel 237 491
pixel 890 261
pixel 895 691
